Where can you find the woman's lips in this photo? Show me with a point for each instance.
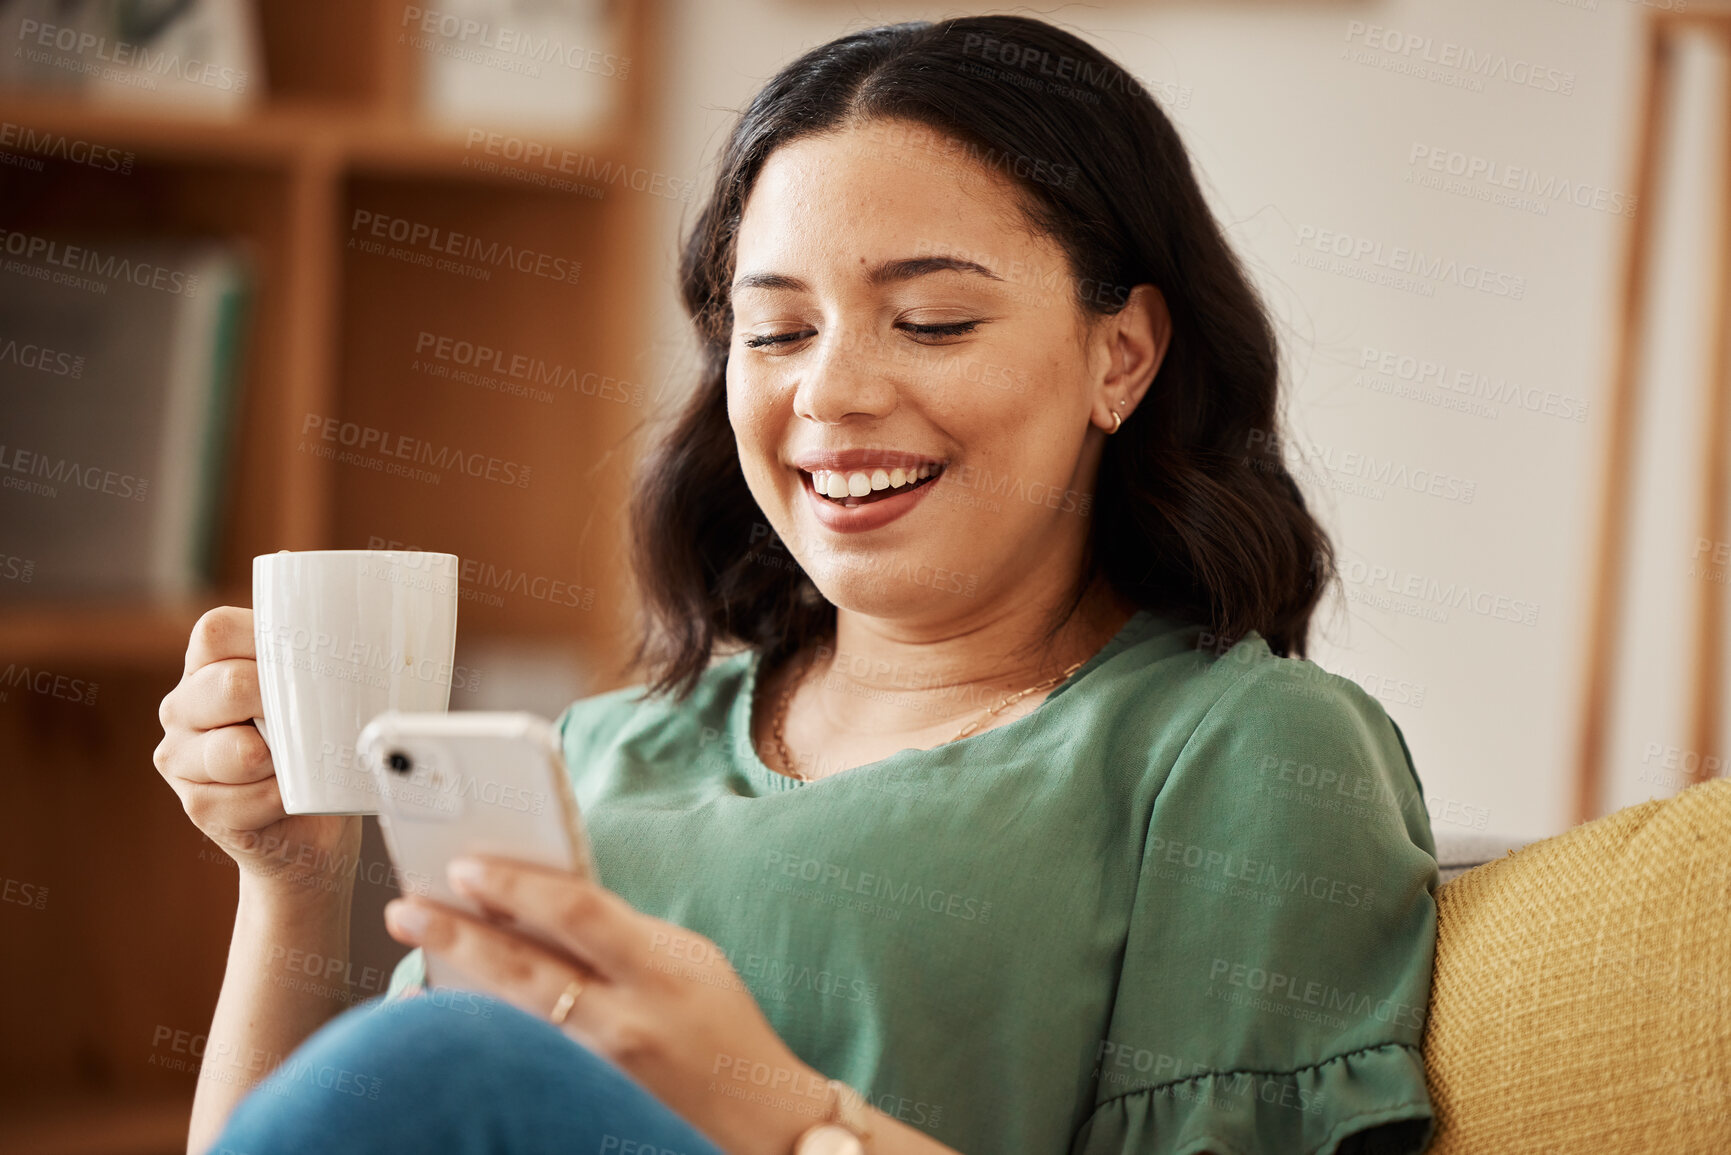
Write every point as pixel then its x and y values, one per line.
pixel 866 513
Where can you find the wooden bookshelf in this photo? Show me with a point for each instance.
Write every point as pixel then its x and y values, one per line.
pixel 333 136
pixel 95 1125
pixel 133 935
pixel 105 634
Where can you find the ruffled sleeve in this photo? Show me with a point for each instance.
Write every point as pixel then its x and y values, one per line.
pixel 1375 1096
pixel 1277 962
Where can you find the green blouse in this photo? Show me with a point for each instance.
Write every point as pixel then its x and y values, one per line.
pixel 1184 904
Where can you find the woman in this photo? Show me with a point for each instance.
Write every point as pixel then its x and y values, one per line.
pixel 1018 811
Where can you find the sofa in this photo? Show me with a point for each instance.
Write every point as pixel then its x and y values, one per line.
pixel 1581 997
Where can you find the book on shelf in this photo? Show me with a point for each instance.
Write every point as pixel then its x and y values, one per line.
pixel 120 384
pixel 197 55
pixel 552 66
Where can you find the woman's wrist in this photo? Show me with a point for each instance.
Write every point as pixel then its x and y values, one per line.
pixel 891 1136
pixel 291 904
pixel 808 1102
pixel 289 941
pixel 773 1114
pixel 845 1111
pixel 294 884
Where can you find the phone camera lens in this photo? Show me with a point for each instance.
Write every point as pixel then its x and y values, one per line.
pixel 399 761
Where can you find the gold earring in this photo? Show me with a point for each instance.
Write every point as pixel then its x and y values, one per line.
pixel 1117 422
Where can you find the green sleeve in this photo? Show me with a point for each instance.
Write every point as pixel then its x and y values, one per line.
pixel 561 724
pixel 409 975
pixel 1278 957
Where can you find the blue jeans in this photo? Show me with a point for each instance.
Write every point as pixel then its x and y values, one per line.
pixel 455 1073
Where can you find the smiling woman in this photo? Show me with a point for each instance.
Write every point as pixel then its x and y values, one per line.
pixel 919 249
pixel 1016 820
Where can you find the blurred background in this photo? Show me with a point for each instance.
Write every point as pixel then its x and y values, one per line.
pixel 275 275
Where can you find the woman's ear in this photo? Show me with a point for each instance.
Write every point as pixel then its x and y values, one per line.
pixel 1135 339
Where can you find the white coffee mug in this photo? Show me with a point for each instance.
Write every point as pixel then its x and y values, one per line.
pixel 342 635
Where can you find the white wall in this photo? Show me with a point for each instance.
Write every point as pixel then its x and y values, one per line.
pixel 1294 135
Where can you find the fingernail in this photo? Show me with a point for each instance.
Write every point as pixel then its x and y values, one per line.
pixel 408 918
pixel 465 873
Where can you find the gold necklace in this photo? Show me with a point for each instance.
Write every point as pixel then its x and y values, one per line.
pixel 786 758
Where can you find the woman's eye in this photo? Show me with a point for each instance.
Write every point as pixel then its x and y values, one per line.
pixel 775 339
pixel 953 329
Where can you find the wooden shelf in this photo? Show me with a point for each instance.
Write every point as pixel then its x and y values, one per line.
pixel 94 1126
pixel 335 135
pixel 133 938
pixel 105 633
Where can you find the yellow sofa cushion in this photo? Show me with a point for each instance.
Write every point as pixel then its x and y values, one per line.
pixel 1581 1000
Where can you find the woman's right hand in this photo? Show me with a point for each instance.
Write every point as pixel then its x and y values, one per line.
pixel 217 762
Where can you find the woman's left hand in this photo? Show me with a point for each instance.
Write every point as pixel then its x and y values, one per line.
pixel 660 1001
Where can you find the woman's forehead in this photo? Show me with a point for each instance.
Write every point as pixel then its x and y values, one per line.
pixel 892 200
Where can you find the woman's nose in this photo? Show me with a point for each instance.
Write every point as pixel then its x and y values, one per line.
pixel 845 374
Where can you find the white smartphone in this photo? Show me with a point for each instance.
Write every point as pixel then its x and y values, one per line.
pixel 470 782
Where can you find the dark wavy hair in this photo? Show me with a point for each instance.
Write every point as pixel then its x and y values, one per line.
pixel 1189 519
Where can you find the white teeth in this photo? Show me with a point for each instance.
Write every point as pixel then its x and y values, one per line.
pixel 837 485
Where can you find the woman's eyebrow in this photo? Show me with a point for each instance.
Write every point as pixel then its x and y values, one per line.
pixel 889 272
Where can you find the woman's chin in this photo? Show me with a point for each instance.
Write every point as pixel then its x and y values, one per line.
pixel 893 588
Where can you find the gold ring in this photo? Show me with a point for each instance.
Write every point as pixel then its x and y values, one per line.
pixel 567 999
